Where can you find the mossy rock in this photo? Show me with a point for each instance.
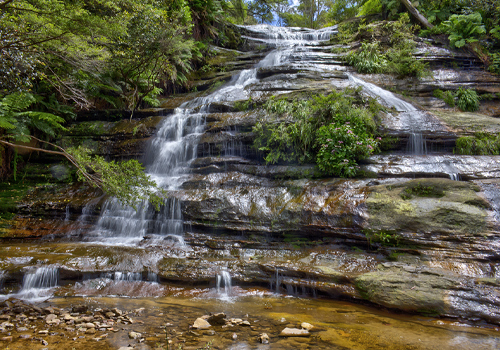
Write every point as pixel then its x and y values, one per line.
pixel 427 205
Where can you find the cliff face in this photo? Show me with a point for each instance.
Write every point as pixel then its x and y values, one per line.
pixel 408 236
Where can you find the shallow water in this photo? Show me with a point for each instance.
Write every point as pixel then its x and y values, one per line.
pixel 341 325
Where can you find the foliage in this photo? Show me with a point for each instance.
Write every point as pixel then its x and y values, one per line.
pixel 126 181
pixel 368 59
pixel 494 66
pixel 447 96
pixel 463 29
pixel 397 58
pixel 309 130
pixel 479 144
pixel 467 100
pixel 341 148
pixel 19 122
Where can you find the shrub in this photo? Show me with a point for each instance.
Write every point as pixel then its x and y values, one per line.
pixel 447 96
pixel 467 100
pixel 479 144
pixel 340 149
pixel 463 29
pixel 368 59
pixel 323 129
pixel 494 66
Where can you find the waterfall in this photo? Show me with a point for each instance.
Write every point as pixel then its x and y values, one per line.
pixel 224 280
pixel 175 146
pixel 42 277
pixel 416 142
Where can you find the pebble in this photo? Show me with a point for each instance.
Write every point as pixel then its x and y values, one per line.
pixel 307 326
pixel 90 331
pixel 200 323
pixel 294 332
pixel 134 335
pixel 264 338
pixel 234 336
pixel 9 338
pixel 25 336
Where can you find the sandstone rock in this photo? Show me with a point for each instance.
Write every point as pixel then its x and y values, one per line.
pixel 307 326
pixel 294 332
pixel 200 323
pixel 264 338
pixel 134 335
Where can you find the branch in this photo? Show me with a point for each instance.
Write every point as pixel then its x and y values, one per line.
pixel 414 12
pixel 90 178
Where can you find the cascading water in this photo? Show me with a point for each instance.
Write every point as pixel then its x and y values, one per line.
pixel 409 114
pixel 174 147
pixel 37 283
pixel 224 280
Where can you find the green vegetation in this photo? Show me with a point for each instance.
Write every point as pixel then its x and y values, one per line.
pixel 479 144
pixel 335 131
pixel 385 238
pixel 395 57
pixel 464 29
pixel 466 99
pixel 447 96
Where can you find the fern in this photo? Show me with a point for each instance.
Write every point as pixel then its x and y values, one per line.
pixel 463 29
pixel 17 121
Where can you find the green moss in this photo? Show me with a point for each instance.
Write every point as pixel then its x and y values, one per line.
pixel 421 191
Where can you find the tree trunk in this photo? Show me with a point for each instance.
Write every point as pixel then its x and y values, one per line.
pixel 414 12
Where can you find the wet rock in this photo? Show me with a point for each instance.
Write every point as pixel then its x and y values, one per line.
pixel 43 332
pixel 79 309
pixel 7 325
pixel 429 291
pixel 117 311
pixel 294 332
pixel 44 342
pixel 200 323
pixel 134 335
pixel 234 336
pixel 307 326
pixel 8 338
pixel 25 336
pixel 126 348
pixel 264 338
pixel 218 319
pixel 52 319
pixel 68 317
pixel 90 331
pixel 22 329
pixel 110 314
pixel 89 325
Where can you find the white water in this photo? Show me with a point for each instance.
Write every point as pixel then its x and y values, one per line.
pixel 409 114
pixel 38 284
pixel 175 146
pixel 224 280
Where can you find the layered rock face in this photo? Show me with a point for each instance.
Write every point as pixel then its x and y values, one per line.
pixel 419 234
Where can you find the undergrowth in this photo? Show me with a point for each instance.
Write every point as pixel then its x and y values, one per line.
pixel 334 131
pixel 479 144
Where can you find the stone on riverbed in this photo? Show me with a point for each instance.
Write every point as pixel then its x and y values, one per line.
pixel 200 323
pixel 294 332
